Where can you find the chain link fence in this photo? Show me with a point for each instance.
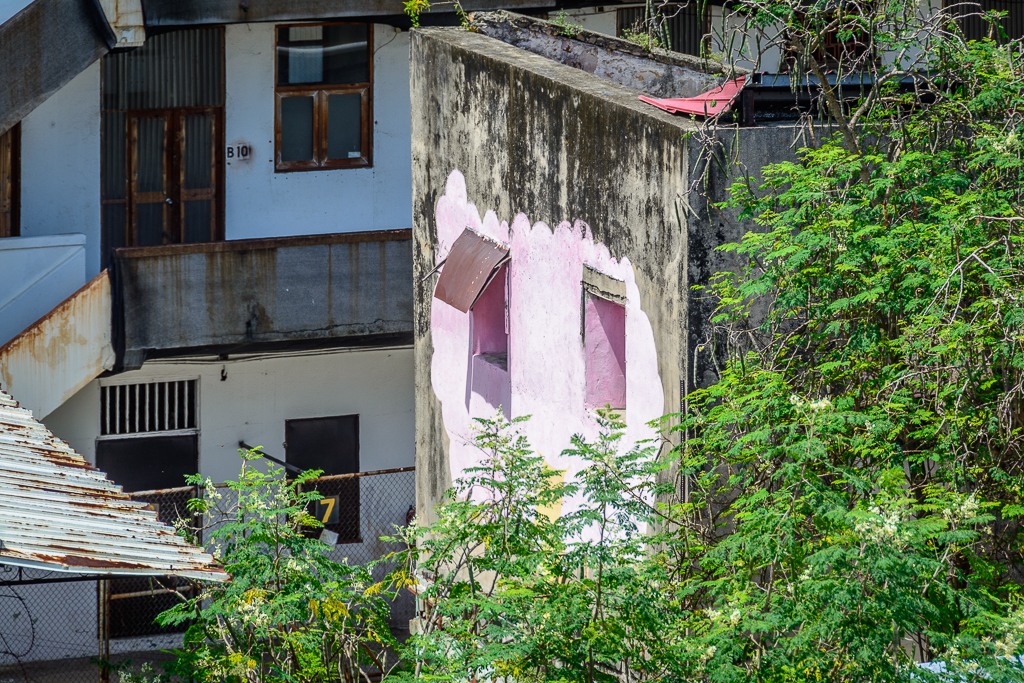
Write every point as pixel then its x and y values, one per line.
pixel 56 628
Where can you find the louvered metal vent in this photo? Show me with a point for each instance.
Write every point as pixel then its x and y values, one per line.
pixel 149 407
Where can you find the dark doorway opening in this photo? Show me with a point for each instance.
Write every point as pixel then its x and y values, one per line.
pixel 330 444
pixel 149 463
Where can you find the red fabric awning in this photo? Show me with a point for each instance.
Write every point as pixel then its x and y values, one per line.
pixel 711 103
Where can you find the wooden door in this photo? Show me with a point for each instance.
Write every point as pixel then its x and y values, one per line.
pixel 151 197
pixel 174 159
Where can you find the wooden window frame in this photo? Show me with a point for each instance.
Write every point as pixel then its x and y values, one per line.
pixel 320 93
pixel 10 205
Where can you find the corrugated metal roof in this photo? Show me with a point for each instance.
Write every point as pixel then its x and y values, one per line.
pixel 471 264
pixel 58 512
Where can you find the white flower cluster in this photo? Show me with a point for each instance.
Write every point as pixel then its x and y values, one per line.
pixel 813 406
pixel 734 617
pixel 1007 145
pixel 967 508
pixel 1010 643
pixel 884 527
pixel 250 611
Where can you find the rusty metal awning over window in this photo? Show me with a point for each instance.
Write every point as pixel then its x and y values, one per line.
pixel 472 263
pixel 58 512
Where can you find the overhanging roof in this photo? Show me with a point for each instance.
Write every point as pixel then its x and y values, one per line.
pixel 58 512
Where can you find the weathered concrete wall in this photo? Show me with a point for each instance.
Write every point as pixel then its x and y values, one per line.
pixel 657 74
pixel 61 352
pixel 246 292
pixel 739 152
pixel 535 137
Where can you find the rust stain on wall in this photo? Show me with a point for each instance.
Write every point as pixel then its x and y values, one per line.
pixel 61 352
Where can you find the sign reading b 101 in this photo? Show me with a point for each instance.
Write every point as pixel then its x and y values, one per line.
pixel 241 151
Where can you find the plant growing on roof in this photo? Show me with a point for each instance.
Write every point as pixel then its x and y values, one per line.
pixel 414 8
pixel 289 613
pixel 565 27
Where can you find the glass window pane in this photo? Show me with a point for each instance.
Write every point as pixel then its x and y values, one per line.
pixel 346 53
pixel 344 126
pixel 198 220
pixel 296 129
pixel 198 151
pixel 150 154
pixel 335 54
pixel 151 224
pixel 306 64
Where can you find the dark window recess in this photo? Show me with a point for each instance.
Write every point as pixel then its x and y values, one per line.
pixel 136 602
pixel 490 321
pixel 162 166
pixel 324 109
pixel 681 25
pixel 147 463
pixel 330 444
pixel 149 407
pixel 10 182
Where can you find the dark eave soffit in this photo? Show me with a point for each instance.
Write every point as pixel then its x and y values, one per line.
pixel 173 13
pixel 42 48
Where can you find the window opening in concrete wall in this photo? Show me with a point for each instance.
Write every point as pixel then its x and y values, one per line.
pixel 330 444
pixel 162 141
pixel 10 182
pixel 490 321
pixel 604 340
pixel 149 407
pixel 324 97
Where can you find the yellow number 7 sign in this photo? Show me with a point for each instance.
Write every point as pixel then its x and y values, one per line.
pixel 327 510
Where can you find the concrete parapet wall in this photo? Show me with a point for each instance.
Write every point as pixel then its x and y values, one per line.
pixel 242 292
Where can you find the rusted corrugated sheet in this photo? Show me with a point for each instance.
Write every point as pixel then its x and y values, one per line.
pixel 61 352
pixel 57 512
pixel 470 265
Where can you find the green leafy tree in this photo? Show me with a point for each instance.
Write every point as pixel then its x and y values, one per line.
pixel 851 486
pixel 289 613
pixel 855 473
pixel 513 591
